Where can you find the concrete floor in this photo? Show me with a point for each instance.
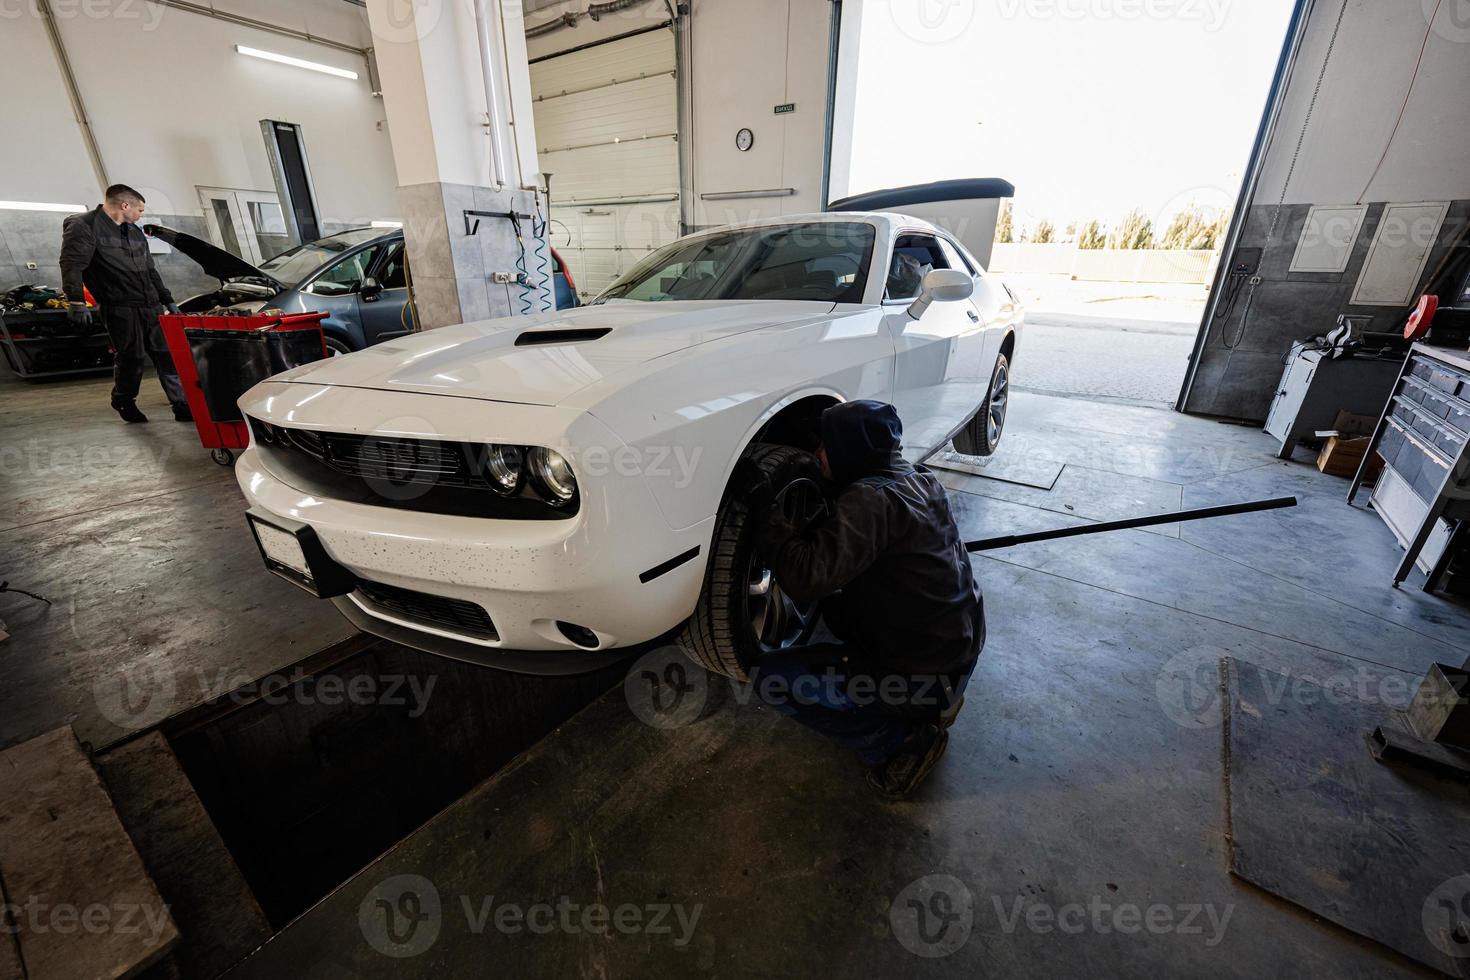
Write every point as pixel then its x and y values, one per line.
pixel 1074 829
pixel 158 598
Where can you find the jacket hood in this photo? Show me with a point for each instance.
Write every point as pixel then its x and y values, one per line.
pixel 860 438
pixel 213 260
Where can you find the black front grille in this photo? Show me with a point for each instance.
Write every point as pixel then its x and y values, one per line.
pixel 428 475
pixel 455 615
pixel 424 462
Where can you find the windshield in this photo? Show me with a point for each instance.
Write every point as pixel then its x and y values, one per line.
pixel 295 264
pixel 824 261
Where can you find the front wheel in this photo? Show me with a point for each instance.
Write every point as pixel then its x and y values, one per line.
pixel 981 435
pixel 742 612
pixel 335 347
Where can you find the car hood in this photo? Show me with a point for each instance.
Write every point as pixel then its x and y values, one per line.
pixel 214 260
pixel 546 358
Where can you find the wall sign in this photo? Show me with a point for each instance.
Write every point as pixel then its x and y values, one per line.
pixel 787 107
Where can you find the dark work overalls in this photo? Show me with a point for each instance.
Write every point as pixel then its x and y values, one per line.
pixel 112 260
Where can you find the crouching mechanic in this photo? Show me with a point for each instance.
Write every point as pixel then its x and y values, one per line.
pixel 897 592
pixel 105 250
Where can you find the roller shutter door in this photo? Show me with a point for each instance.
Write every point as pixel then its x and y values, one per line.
pixel 606 130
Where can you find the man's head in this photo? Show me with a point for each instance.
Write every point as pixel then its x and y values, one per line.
pixel 858 438
pixel 122 203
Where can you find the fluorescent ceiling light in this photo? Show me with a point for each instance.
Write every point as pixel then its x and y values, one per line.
pixel 286 59
pixel 387 224
pixel 34 206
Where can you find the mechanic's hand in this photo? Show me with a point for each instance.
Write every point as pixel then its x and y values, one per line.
pixel 172 307
pixel 760 495
pixel 751 485
pixel 78 315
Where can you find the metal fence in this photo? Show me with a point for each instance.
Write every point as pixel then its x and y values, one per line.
pixel 1106 264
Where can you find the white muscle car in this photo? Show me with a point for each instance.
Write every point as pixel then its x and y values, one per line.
pixel 538 493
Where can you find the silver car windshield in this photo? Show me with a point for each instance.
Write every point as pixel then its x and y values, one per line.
pixel 822 261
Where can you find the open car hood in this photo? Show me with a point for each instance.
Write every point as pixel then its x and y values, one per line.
pixel 211 258
pixel 546 358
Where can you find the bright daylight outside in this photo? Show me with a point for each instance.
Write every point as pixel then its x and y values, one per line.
pixel 1126 127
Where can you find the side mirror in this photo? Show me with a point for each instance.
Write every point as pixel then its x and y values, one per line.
pixel 942 286
pixel 369 290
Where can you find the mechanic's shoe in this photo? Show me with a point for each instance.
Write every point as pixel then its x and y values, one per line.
pixel 129 411
pixel 182 414
pixel 947 720
pixel 897 778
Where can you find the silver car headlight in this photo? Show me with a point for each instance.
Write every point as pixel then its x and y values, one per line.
pixel 506 466
pixel 553 476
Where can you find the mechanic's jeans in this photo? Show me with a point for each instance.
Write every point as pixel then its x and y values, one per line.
pixel 134 333
pixel 826 687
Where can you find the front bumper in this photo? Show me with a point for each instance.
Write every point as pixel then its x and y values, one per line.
pixel 527 575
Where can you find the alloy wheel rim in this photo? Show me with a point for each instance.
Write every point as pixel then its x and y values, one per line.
pixel 995 421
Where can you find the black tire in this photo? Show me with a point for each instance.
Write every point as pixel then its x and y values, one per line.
pixel 981 435
pixel 720 635
pixel 335 347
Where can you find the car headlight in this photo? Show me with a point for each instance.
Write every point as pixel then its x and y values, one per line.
pixel 553 477
pixel 505 466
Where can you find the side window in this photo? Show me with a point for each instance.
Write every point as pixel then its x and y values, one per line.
pixel 956 258
pixel 345 275
pixel 913 257
pixel 392 275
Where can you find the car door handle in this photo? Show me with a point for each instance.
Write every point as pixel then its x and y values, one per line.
pixel 974 317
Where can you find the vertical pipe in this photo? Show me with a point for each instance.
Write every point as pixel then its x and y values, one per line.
pixel 489 40
pixel 834 37
pixel 79 108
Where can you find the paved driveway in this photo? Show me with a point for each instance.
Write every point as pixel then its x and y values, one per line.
pixel 1136 361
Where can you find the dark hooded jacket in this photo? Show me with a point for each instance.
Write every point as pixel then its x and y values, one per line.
pixel 908 595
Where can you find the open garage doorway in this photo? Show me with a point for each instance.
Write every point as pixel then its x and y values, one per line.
pixel 1127 128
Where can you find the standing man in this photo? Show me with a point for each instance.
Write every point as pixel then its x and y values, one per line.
pixel 897 591
pixel 106 251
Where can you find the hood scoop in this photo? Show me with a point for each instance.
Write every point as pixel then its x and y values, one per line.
pixel 548 338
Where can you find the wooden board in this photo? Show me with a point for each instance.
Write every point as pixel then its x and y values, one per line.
pixel 87 907
pixel 1314 818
